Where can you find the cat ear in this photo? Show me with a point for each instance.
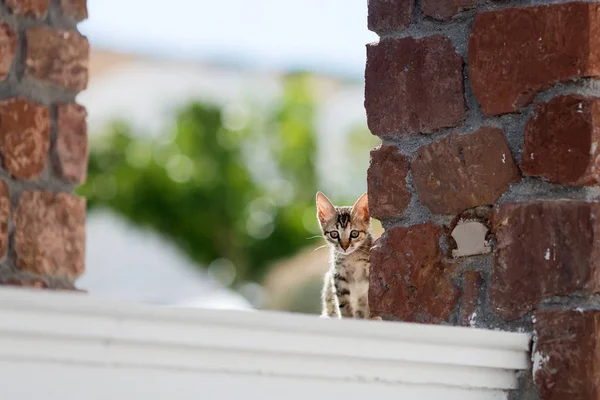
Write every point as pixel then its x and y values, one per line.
pixel 361 208
pixel 325 210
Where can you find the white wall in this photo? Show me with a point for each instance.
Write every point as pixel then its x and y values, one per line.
pixel 33 381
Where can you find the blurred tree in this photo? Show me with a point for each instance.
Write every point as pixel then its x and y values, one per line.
pixel 231 187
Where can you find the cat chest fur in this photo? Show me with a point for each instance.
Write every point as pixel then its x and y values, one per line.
pixel 354 284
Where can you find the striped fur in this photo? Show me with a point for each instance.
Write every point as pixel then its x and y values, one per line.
pixel 346 283
pixel 331 307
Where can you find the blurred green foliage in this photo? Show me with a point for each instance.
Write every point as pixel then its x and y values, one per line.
pixel 233 188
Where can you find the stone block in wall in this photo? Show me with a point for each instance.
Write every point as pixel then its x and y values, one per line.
pixel 24 137
pixel 57 56
pixel 561 141
pixel 446 9
pixel 387 16
pixel 409 279
pixel 544 249
pixel 566 362
pixel 413 86
pixel 50 234
pixel 71 143
pixel 75 10
pixel 5 210
pixel 464 171
pixel 516 52
pixel 386 180
pixel 8 49
pixel 37 9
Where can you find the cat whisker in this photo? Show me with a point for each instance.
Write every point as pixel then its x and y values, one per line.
pixel 314 237
pixel 320 247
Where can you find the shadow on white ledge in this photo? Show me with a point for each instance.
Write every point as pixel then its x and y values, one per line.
pixel 71 346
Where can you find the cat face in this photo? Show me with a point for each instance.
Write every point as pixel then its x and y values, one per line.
pixel 344 228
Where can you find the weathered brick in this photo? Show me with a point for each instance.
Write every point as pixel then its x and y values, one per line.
pixel 446 9
pixel 413 86
pixel 50 234
pixel 561 141
pixel 472 282
pixel 8 49
pixel 566 361
pixel 57 56
pixel 409 280
pixel 389 15
pixel 386 179
pixel 4 217
pixel 72 143
pixel 29 8
pixel 544 249
pixel 464 171
pixel 75 10
pixel 514 53
pixel 24 137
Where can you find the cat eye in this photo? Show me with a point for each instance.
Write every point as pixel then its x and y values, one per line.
pixel 354 234
pixel 334 234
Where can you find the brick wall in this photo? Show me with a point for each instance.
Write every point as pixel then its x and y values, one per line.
pixel 486 179
pixel 43 142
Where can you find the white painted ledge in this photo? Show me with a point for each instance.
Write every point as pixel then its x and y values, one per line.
pixel 73 346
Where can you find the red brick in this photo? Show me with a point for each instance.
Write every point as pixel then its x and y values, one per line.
pixel 472 282
pixel 386 178
pixel 514 53
pixel 72 143
pixel 413 86
pixel 409 280
pixel 37 9
pixel 50 234
pixel 446 9
pixel 389 15
pixel 544 249
pixel 4 217
pixel 8 49
pixel 57 56
pixel 75 10
pixel 561 141
pixel 24 137
pixel 566 361
pixel 464 171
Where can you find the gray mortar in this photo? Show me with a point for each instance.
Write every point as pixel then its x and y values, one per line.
pixel 577 300
pixel 527 390
pixel 16 85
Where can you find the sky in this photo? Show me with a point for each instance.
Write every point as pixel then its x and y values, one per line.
pixel 319 35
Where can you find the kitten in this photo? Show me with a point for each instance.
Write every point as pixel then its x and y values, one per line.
pixel 347 231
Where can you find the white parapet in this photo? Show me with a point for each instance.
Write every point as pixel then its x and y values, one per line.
pixel 71 346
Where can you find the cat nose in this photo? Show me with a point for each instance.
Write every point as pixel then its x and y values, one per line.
pixel 345 245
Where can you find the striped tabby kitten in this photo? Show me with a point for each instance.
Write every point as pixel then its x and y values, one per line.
pixel 347 231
